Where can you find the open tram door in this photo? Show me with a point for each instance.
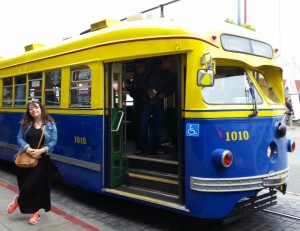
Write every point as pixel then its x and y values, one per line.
pixel 116 125
pixel 147 176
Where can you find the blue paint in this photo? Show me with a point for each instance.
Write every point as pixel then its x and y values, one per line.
pixel 249 159
pixel 89 127
pixel 247 138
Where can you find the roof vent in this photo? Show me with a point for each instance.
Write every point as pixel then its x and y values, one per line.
pixel 33 46
pixel 103 24
pixel 135 17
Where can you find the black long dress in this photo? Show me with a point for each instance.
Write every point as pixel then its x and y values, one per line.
pixel 34 183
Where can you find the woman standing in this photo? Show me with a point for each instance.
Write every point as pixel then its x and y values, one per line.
pixel 34 183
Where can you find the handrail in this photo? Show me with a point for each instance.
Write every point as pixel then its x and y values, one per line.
pixel 117 129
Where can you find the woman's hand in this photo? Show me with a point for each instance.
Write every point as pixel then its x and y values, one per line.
pixel 36 153
pixel 29 150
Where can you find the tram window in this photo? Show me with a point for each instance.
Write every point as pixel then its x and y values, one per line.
pixel 266 88
pixel 20 90
pixel 52 88
pixel 7 92
pixel 35 86
pixel 231 87
pixel 80 91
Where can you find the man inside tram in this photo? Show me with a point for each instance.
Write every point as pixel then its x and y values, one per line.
pixel 156 86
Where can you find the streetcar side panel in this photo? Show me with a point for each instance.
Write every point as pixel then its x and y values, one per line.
pixel 78 155
pixel 9 129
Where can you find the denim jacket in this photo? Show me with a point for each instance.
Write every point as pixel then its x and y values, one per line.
pixel 50 137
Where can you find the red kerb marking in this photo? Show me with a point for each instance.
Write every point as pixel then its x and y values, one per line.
pixel 57 211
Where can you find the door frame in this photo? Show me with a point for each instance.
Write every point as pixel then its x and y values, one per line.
pixel 115 117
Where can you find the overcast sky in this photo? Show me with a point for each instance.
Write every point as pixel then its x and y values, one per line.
pixel 23 22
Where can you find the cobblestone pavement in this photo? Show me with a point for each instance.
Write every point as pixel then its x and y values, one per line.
pixel 121 215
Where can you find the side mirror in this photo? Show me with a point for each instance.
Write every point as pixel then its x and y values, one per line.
pixel 205 78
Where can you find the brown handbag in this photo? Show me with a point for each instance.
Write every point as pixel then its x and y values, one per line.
pixel 24 160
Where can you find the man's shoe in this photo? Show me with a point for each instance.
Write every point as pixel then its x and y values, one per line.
pixel 160 152
pixel 34 219
pixel 13 205
pixel 138 152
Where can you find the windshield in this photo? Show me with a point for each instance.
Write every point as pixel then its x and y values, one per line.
pixel 231 86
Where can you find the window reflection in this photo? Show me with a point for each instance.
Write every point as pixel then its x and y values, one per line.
pixel 20 90
pixel 266 88
pixel 80 86
pixel 231 87
pixel 7 92
pixel 53 88
pixel 35 86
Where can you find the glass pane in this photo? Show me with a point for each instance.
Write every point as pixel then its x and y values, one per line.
pixel 35 86
pixel 80 86
pixel 266 88
pixel 81 95
pixel 231 87
pixel 52 87
pixel 7 92
pixel 20 90
pixel 246 45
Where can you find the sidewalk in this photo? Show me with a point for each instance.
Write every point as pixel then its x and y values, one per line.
pixel 55 220
pixel 296 122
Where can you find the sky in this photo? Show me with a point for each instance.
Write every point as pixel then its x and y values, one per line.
pixel 24 22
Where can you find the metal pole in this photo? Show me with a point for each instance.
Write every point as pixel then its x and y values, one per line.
pixel 162 11
pixel 239 13
pixel 245 11
pixel 153 8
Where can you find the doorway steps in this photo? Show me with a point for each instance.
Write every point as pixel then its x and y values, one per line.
pixel 152 176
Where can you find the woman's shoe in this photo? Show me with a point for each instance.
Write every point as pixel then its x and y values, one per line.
pixel 34 219
pixel 13 205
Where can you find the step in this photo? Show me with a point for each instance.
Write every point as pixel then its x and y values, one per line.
pixel 166 197
pixel 163 182
pixel 150 163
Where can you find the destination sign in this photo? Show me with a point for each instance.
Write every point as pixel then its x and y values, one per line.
pixel 81 75
pixel 246 45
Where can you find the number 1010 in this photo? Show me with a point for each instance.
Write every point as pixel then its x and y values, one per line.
pixel 234 136
pixel 79 140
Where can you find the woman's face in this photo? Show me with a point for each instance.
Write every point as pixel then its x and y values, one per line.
pixel 34 110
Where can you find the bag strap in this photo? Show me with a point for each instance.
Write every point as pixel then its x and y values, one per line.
pixel 41 137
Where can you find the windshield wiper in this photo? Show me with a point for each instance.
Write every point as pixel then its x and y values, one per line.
pixel 251 89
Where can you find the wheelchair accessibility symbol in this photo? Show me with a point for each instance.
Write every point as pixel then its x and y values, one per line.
pixel 192 129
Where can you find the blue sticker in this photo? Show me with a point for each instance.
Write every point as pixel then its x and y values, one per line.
pixel 192 129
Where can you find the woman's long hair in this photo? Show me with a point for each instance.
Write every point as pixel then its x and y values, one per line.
pixel 28 119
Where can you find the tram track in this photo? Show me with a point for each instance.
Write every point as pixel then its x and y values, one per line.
pixel 284 214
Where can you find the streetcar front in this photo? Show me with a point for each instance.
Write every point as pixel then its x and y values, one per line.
pixel 235 131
